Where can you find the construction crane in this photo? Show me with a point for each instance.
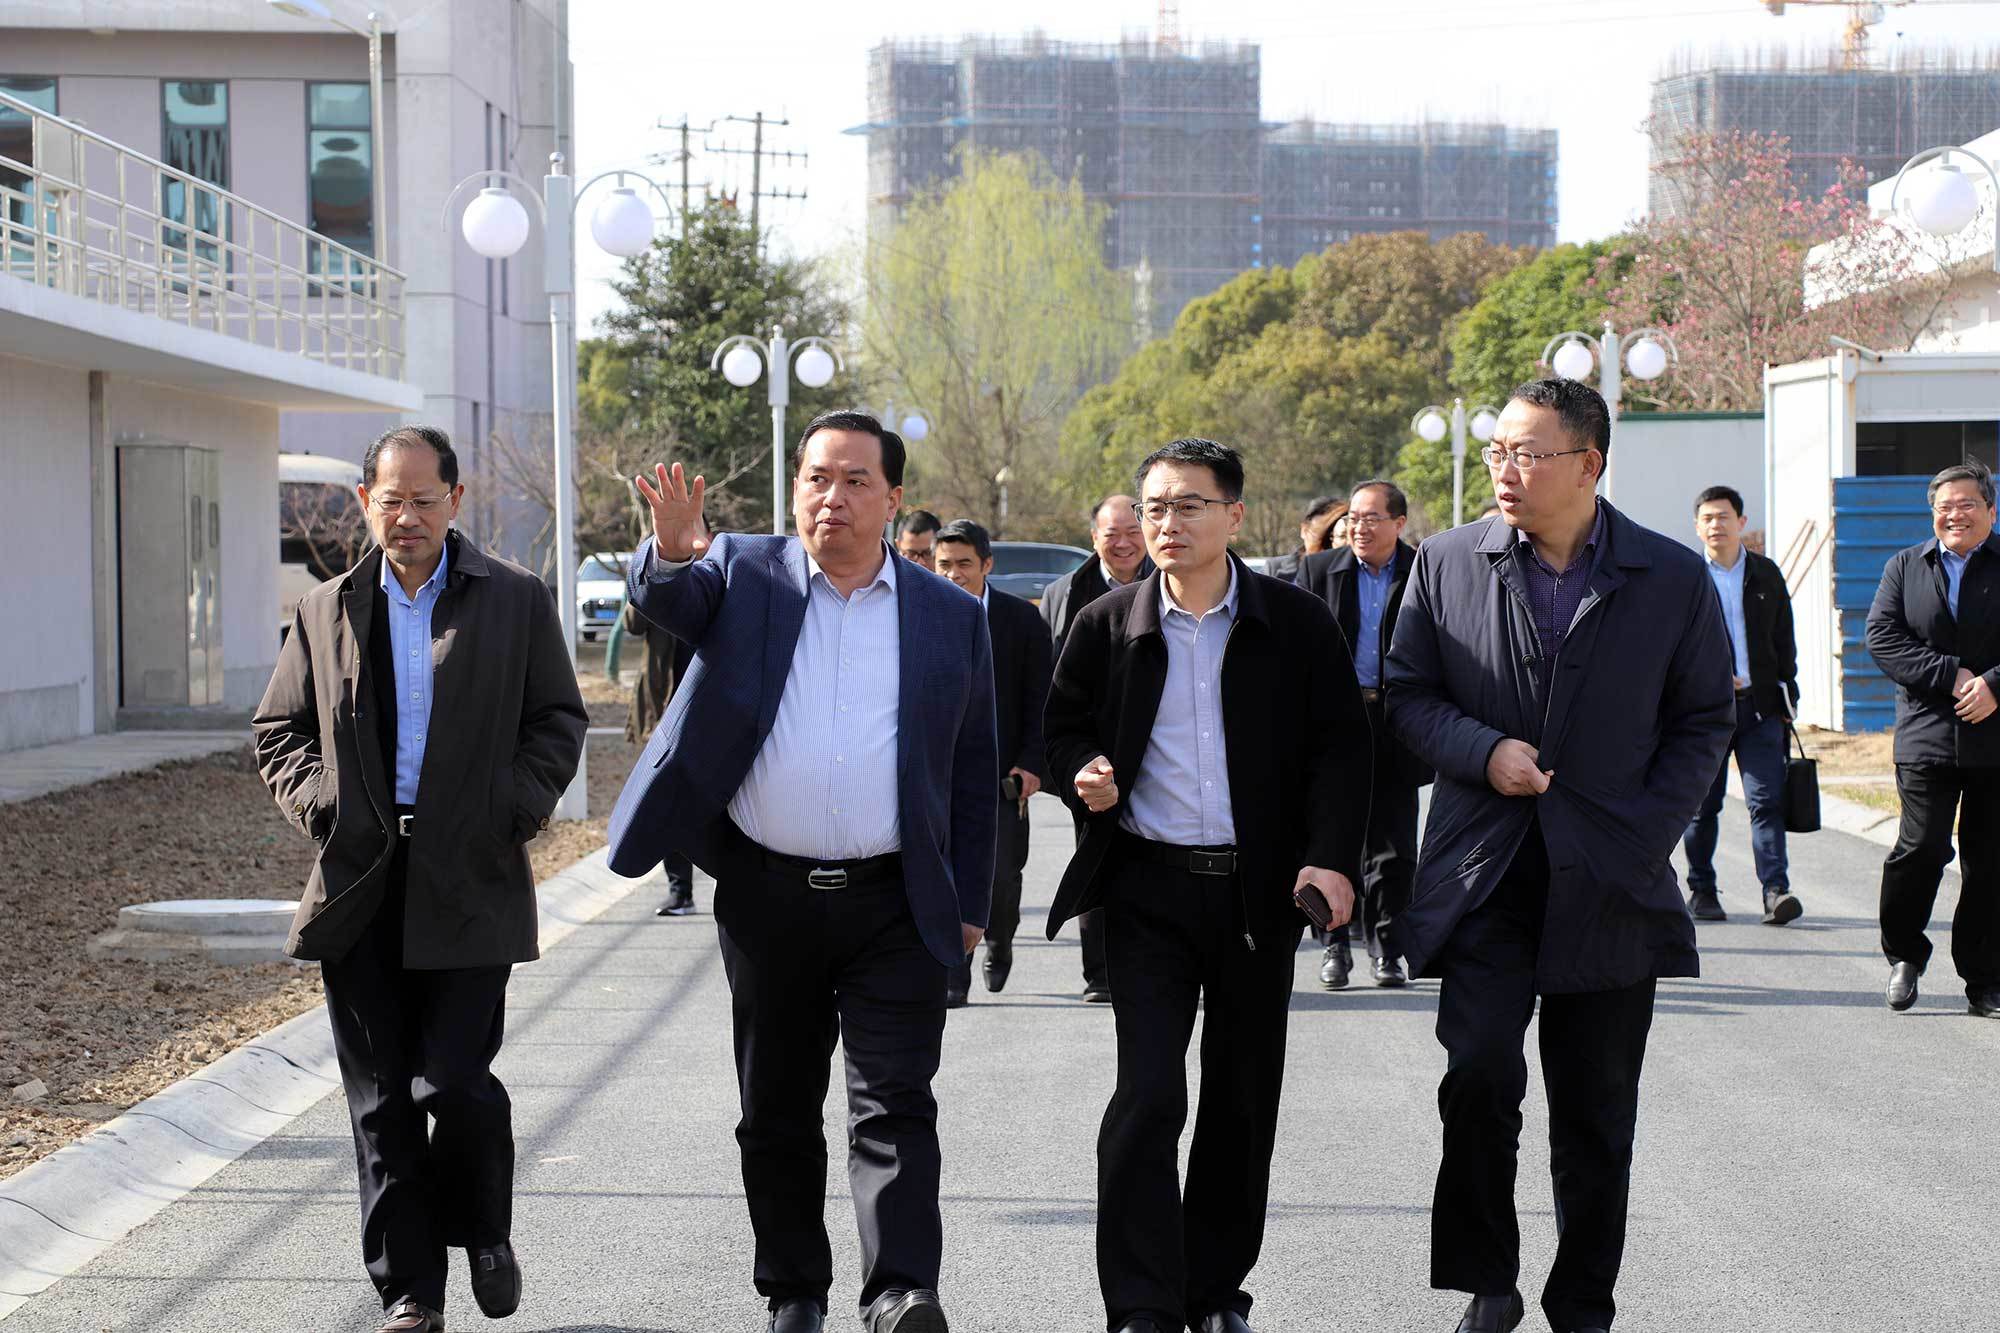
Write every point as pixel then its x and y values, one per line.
pixel 1861 16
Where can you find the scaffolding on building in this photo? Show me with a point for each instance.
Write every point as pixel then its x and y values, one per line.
pixel 1169 135
pixel 1827 113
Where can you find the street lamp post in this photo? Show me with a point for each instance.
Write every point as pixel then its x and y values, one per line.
pixel 914 425
pixel 742 358
pixel 1944 201
pixel 1647 353
pixel 1430 424
pixel 379 215
pixel 496 226
pixel 1003 478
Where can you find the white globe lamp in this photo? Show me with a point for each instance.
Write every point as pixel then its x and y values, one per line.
pixel 495 224
pixel 1944 201
pixel 1646 359
pixel 1483 424
pixel 915 428
pixel 1573 361
pixel 1432 426
pixel 622 224
pixel 814 368
pixel 741 367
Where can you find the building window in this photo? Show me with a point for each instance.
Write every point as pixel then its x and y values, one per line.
pixel 340 173
pixel 195 121
pixel 17 144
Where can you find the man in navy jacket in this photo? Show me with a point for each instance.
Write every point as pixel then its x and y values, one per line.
pixel 1566 672
pixel 830 760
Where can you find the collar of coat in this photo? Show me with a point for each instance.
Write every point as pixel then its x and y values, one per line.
pixel 1344 558
pixel 1621 538
pixel 1145 616
pixel 1933 552
pixel 465 561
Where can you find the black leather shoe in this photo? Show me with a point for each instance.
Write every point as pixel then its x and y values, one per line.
pixel 1493 1314
pixel 1097 992
pixel 908 1312
pixel 1138 1326
pixel 999 963
pixel 1704 906
pixel 1224 1321
pixel 956 999
pixel 1389 972
pixel 496 1279
pixel 1903 985
pixel 797 1315
pixel 1335 966
pixel 410 1317
pixel 1590 1330
pixel 1984 1003
pixel 1781 908
pixel 680 901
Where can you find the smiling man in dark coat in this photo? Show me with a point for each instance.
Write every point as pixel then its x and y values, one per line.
pixel 1566 672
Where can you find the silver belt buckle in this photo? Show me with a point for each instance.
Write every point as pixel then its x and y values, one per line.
pixel 403 823
pixel 827 878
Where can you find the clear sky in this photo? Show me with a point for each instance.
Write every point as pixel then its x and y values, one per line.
pixel 1582 66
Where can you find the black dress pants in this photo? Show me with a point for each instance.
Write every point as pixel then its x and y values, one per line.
pixel 433 1128
pixel 1170 1252
pixel 1592 1047
pixel 1010 856
pixel 1090 933
pixel 808 966
pixel 1934 798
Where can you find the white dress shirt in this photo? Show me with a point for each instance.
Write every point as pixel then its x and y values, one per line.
pixel 1180 794
pixel 824 783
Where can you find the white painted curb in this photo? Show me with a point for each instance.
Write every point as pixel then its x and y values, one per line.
pixel 70 1207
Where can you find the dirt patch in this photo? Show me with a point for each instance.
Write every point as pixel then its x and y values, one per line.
pixel 103 1035
pixel 1849 754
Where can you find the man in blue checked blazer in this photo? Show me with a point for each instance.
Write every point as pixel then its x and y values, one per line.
pixel 830 759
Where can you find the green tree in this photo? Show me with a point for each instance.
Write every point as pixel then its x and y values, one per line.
pixel 647 386
pixel 990 307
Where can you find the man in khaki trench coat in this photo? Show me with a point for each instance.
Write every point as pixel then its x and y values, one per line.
pixel 423 720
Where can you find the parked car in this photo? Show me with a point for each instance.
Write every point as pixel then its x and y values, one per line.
pixel 1025 568
pixel 600 592
pixel 322 532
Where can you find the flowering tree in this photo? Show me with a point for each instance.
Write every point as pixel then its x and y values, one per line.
pixel 1726 276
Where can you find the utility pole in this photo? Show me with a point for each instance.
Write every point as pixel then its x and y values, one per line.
pixel 756 154
pixel 684 157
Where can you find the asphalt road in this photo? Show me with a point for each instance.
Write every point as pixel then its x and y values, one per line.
pixel 1807 1160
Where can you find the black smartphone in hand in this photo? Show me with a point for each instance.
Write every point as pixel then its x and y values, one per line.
pixel 1010 788
pixel 1314 904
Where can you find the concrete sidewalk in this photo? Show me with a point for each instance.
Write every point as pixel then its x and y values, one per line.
pixel 26 774
pixel 1807 1160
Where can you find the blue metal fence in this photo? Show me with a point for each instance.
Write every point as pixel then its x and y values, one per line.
pixel 1873 518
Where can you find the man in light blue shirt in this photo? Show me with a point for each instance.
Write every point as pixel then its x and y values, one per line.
pixel 410 653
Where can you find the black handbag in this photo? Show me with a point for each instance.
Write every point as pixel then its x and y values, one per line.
pixel 1801 788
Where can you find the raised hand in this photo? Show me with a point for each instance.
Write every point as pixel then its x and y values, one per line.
pixel 679 531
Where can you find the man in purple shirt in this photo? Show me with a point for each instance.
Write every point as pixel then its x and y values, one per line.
pixel 1566 672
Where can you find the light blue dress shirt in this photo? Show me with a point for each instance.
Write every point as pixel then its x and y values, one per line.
pixel 410 650
pixel 824 782
pixel 1728 581
pixel 1954 570
pixel 1371 588
pixel 1180 795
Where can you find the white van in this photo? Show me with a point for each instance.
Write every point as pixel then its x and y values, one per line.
pixel 321 529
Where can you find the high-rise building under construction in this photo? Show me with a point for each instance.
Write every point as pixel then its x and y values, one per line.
pixel 1874 117
pixel 1171 138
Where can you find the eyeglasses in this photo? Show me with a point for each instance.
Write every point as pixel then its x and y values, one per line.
pixel 1189 509
pixel 1521 458
pixel 423 505
pixel 1957 508
pixel 1369 520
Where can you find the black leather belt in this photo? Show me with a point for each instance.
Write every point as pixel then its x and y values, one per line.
pixel 1194 860
pixel 1743 693
pixel 406 817
pixel 828 876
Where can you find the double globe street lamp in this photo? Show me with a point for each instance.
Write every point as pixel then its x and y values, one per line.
pixel 1430 424
pixel 742 359
pixel 1646 354
pixel 496 226
pixel 1944 200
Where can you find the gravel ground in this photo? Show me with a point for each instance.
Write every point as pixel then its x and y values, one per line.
pixel 102 1036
